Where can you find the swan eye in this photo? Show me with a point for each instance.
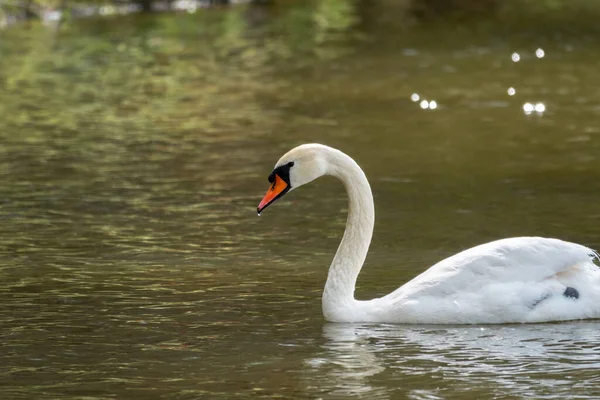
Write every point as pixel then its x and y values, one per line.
pixel 283 171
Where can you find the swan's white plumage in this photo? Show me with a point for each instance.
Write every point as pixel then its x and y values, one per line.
pixel 519 279
pixel 510 280
pixel 525 259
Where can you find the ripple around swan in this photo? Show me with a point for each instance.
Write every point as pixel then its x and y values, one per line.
pixel 487 362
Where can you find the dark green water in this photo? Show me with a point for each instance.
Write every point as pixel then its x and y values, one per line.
pixel 133 153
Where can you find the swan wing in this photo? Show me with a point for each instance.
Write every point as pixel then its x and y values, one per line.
pixel 520 259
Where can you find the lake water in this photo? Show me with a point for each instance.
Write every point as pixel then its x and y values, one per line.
pixel 134 151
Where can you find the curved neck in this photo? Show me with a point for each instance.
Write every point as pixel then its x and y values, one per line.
pixel 338 295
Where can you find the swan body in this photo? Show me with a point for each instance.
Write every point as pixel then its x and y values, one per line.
pixel 522 279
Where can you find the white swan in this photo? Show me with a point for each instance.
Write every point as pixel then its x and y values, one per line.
pixel 524 279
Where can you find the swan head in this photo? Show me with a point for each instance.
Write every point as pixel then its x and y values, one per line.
pixel 297 167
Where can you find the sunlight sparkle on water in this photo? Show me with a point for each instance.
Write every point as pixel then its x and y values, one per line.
pixel 425 104
pixel 529 108
pixel 539 53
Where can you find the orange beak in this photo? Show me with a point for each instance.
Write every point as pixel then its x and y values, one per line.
pixel 277 189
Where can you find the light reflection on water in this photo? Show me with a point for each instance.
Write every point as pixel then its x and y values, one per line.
pixel 134 154
pixel 486 362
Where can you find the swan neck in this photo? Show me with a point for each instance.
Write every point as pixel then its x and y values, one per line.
pixel 338 296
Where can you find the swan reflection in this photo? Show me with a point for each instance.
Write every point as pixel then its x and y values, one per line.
pixel 385 361
pixel 349 362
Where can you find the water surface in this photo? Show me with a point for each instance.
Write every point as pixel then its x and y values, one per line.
pixel 134 152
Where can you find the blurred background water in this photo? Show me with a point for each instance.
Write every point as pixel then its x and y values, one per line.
pixel 134 150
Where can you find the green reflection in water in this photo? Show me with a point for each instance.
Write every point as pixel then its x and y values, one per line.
pixel 134 151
